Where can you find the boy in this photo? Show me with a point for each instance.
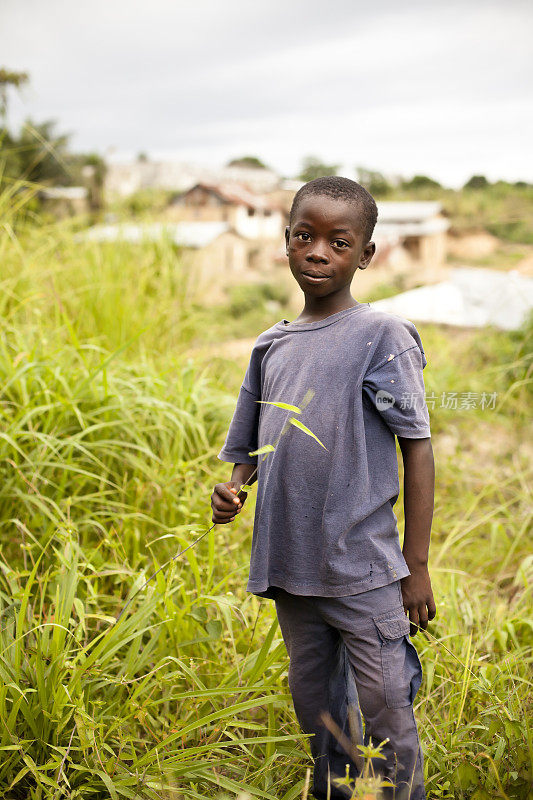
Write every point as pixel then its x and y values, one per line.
pixel 325 544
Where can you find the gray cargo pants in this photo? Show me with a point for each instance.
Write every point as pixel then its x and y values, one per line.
pixel 333 640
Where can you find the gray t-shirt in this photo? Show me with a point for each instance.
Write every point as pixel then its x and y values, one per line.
pixel 324 520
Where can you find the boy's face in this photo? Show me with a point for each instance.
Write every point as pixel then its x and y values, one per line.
pixel 326 244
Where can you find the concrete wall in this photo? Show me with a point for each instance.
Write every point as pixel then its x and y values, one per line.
pixel 256 226
pixel 257 223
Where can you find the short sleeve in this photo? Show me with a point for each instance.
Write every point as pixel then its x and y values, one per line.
pixel 396 389
pixel 243 432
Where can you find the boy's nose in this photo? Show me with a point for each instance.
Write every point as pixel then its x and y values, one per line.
pixel 317 256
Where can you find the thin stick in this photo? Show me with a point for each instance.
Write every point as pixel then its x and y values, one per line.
pixel 145 584
pixel 163 566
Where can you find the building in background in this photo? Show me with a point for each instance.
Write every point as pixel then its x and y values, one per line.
pixel 251 215
pixel 252 206
pixel 419 228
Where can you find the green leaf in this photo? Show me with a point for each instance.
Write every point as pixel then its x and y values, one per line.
pixel 466 775
pixel 82 731
pixel 268 448
pixel 246 487
pixel 285 406
pixel 110 786
pixel 302 427
pixel 199 614
pixel 214 628
pixel 18 777
pixel 10 610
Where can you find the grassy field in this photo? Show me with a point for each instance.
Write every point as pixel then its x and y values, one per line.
pixel 110 430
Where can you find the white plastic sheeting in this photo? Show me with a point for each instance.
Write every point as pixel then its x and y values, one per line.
pixel 472 297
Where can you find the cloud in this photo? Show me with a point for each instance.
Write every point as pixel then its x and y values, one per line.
pixel 443 88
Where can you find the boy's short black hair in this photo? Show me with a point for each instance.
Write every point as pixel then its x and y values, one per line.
pixel 341 189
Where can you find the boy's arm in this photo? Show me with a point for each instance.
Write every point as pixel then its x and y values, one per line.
pixel 244 473
pixel 419 489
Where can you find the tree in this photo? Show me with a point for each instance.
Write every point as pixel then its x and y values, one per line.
pixel 375 182
pixel 247 161
pixel 43 154
pixel 35 154
pixel 7 79
pixel 10 157
pixel 10 161
pixel 313 167
pixel 39 155
pixel 477 182
pixel 421 182
pixel 89 169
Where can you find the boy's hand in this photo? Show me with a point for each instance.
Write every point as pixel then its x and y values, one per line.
pixel 418 599
pixel 225 501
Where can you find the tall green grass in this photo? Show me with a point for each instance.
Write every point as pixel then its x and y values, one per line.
pixel 91 708
pixel 475 704
pixel 108 440
pixel 108 431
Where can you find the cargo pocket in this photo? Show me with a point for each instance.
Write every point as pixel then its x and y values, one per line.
pixel 402 670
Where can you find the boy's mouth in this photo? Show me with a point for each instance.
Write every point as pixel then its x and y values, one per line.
pixel 315 277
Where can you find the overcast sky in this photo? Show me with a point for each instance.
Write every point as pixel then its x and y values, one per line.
pixel 440 88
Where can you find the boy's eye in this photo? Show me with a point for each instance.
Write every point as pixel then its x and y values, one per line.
pixel 340 243
pixel 301 235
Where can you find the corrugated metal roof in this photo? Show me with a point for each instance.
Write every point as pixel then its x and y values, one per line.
pixel 185 234
pixel 236 194
pixel 407 211
pixel 64 192
pixel 199 234
pixel 426 227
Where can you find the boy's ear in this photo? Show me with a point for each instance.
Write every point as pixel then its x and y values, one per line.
pixel 287 234
pixel 367 255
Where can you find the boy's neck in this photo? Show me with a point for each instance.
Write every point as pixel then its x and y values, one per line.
pixel 317 308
